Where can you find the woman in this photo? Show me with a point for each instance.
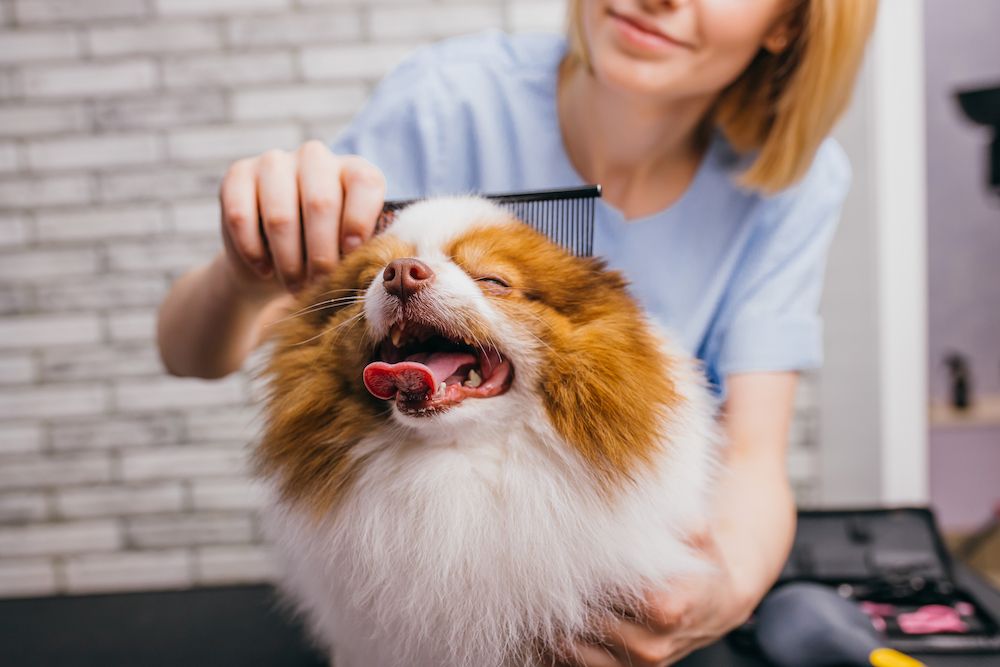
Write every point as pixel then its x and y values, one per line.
pixel 704 120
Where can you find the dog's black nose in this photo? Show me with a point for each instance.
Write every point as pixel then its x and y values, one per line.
pixel 405 277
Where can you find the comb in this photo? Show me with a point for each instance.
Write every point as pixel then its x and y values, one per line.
pixel 565 216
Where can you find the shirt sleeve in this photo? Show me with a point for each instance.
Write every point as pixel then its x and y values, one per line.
pixel 774 323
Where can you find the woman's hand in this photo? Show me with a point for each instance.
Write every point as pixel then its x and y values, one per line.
pixel 694 613
pixel 288 217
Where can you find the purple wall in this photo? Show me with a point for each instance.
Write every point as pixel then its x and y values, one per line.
pixel 962 51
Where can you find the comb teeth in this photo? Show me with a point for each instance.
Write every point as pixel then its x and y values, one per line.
pixel 564 216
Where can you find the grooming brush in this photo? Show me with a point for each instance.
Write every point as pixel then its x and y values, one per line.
pixel 565 216
pixel 809 625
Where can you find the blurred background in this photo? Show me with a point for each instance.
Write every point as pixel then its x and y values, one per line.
pixel 117 119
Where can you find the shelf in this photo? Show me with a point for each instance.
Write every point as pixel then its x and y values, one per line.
pixel 984 412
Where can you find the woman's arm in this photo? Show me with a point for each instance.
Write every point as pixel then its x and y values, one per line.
pixel 209 322
pixel 748 540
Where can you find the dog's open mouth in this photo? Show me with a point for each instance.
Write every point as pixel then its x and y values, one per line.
pixel 427 372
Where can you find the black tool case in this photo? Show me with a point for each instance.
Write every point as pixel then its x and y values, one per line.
pixel 891 558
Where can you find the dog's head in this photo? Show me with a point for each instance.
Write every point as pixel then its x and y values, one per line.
pixel 456 322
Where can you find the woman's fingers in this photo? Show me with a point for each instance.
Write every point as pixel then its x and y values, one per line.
pixel 592 655
pixel 321 200
pixel 240 226
pixel 295 214
pixel 364 193
pixel 278 203
pixel 637 645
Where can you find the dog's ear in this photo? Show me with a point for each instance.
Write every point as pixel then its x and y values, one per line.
pixel 316 408
pixel 609 390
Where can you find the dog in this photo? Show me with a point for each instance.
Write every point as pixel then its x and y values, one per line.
pixel 477 447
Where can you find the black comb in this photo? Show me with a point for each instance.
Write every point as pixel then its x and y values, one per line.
pixel 565 216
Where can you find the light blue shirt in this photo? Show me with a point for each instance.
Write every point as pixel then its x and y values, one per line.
pixel 734 276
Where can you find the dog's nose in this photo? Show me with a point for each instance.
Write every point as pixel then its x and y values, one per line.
pixel 405 277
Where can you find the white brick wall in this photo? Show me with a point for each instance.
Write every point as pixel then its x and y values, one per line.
pixel 117 120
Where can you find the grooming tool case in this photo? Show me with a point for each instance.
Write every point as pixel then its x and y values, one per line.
pixel 894 563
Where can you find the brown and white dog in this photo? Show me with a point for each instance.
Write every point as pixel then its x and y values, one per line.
pixel 478 446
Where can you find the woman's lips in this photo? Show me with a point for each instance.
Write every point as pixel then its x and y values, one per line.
pixel 638 33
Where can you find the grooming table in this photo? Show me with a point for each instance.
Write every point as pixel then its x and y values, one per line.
pixel 234 626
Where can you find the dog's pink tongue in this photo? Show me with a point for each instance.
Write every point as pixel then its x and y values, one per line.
pixel 418 376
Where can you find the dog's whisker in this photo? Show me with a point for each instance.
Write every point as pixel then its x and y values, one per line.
pixel 341 301
pixel 350 320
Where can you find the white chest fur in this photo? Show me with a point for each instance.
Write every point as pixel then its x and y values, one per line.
pixel 473 549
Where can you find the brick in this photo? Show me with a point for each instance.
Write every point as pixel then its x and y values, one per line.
pixel 14 230
pixel 153 37
pixel 88 79
pixel 139 325
pixel 23 507
pixel 99 363
pixel 537 15
pixel 94 152
pixel 230 142
pixel 432 20
pixel 352 61
pixel 199 216
pixel 160 112
pixel 294 29
pixel 28 120
pixel 228 70
pixel 33 472
pixel 29 45
pixel 10 157
pixel 173 255
pixel 42 264
pixel 60 538
pixel 16 300
pixel 27 577
pixel 26 193
pixel 237 424
pixel 226 494
pixel 169 392
pixel 188 530
pixel 200 7
pixel 300 102
pixel 114 432
pixel 164 184
pixel 20 438
pixel 57 11
pixel 106 501
pixel 52 401
pixel 139 571
pixel 325 131
pixel 8 88
pixel 104 292
pixel 17 369
pixel 182 462
pixel 801 464
pixel 235 565
pixel 45 330
pixel 100 223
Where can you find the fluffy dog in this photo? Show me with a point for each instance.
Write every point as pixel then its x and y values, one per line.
pixel 478 446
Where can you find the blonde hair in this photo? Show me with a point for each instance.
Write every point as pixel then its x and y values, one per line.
pixel 784 104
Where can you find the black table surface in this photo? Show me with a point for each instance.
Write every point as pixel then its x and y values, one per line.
pixel 237 625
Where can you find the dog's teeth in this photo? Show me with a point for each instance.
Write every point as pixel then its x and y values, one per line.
pixel 440 391
pixel 397 336
pixel 475 379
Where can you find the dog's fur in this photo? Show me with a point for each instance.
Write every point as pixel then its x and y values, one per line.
pixel 494 531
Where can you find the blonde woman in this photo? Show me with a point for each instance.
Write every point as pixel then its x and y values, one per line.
pixel 704 120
